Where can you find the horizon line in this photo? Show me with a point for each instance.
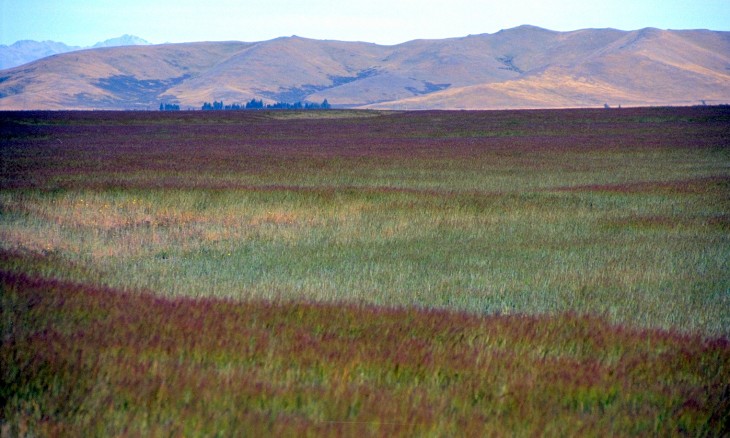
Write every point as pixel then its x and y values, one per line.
pixel 359 41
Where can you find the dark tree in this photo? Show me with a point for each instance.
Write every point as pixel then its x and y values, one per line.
pixel 169 107
pixel 255 104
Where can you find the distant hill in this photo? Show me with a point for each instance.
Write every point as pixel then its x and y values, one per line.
pixel 524 67
pixel 25 51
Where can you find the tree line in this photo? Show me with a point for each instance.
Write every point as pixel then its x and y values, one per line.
pixel 252 105
pixel 259 104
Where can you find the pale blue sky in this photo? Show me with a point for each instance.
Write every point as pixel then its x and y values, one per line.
pixel 85 22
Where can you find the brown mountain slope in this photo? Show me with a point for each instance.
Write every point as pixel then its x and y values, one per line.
pixel 646 67
pixel 525 67
pixel 132 77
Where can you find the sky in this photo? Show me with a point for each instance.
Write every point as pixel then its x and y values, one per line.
pixel 86 22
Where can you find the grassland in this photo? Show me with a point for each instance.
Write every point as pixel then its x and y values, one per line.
pixel 427 273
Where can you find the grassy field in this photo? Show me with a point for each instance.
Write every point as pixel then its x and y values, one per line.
pixel 429 273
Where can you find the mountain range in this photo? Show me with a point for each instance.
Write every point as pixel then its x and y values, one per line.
pixel 523 67
pixel 25 51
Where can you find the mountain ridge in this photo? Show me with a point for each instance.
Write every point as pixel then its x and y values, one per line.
pixel 25 51
pixel 523 67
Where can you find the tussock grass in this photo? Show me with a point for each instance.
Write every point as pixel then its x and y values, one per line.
pixel 427 273
pixel 639 258
pixel 79 360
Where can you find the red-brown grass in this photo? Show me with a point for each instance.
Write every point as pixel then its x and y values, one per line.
pixel 83 360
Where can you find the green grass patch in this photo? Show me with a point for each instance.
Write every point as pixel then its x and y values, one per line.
pixel 653 259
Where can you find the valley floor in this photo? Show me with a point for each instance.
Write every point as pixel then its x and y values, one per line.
pixel 437 273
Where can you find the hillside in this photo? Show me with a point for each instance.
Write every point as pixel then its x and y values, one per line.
pixel 524 67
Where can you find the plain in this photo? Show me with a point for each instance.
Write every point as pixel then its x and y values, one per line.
pixel 399 273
